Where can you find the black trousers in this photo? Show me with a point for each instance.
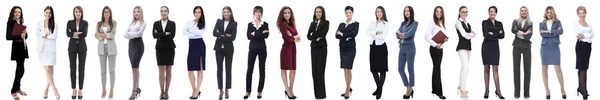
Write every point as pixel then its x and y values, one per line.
pixel 436 80
pixel 226 55
pixel 517 52
pixel 81 68
pixel 262 57
pixel 319 60
pixel 18 75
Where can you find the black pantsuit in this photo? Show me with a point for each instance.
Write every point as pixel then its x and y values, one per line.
pixel 224 50
pixel 73 57
pixel 18 53
pixel 18 75
pixel 262 58
pixel 436 80
pixel 77 49
pixel 317 34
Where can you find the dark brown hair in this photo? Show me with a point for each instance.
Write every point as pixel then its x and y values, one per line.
pixel 442 19
pixel 280 19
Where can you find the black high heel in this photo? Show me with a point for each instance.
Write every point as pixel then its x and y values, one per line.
pixel 73 97
pixel 564 96
pixel 79 97
pixel 486 95
pixel 292 97
pixel 585 96
pixel 499 96
pixel 191 97
pixel 547 96
pixel 259 96
pixel 441 97
pixel 246 96
pixel 409 95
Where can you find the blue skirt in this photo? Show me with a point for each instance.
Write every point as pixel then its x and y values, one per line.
pixel 550 54
pixel 196 55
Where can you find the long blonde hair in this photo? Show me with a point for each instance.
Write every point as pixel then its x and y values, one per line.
pixel 526 10
pixel 554 18
pixel 141 15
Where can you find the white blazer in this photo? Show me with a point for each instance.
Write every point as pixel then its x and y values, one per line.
pixel 43 44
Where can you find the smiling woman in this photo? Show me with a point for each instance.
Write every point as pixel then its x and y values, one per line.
pixel 107 48
pixel 46 47
pixel 136 47
pixel 77 31
pixel 19 48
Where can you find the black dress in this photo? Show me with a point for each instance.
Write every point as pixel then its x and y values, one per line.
pixel 490 49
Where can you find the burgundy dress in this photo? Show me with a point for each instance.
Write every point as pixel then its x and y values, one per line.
pixel 288 49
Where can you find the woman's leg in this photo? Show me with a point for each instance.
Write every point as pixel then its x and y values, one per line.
pixel 486 79
pixel 192 79
pixel 545 78
pixel 168 80
pixel 161 79
pixel 497 79
pixel 559 75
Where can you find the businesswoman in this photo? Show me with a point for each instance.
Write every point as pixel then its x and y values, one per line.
pixel 465 34
pixel 286 24
pixel 194 29
pixel 225 31
pixel 46 47
pixel 107 48
pixel 19 48
pixel 550 30
pixel 490 50
pixel 406 57
pixel 522 28
pixel 346 33
pixel 77 31
pixel 583 49
pixel 317 33
pixel 163 31
pixel 378 55
pixel 258 31
pixel 134 33
pixel 435 50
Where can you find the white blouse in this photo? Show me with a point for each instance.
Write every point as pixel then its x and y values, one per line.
pixel 377 27
pixel 432 30
pixel 587 32
pixel 105 30
pixel 135 30
pixel 192 31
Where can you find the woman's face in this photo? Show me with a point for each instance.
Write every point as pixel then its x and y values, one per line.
pixel 492 13
pixel 549 14
pixel 77 13
pixel 226 14
pixel 464 12
pixel 438 13
pixel 523 13
pixel 581 14
pixel 164 13
pixel 349 14
pixel 106 14
pixel 318 13
pixel 257 14
pixel 407 12
pixel 287 14
pixel 197 13
pixel 379 13
pixel 17 13
pixel 47 14
pixel 137 13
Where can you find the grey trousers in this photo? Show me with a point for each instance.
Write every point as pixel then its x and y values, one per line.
pixel 112 60
pixel 526 54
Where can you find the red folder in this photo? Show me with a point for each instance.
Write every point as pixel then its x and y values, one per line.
pixel 440 37
pixel 18 29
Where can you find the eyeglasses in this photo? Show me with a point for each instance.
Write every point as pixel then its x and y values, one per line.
pixel 464 12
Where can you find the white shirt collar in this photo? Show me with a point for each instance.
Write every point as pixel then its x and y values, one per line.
pixel 260 24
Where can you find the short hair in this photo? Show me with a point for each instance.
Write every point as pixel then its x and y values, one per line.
pixel 493 7
pixel 258 9
pixel 349 8
pixel 581 8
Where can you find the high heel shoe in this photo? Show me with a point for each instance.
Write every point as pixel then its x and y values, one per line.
pixel 192 97
pixel 547 96
pixel 409 95
pixel 564 96
pixel 220 95
pixel 498 95
pixel 227 94
pixel 585 96
pixel 246 96
pixel 292 97
pixel 441 97
pixel 486 95
pixel 346 96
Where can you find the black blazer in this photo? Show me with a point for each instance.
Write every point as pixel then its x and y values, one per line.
pixel 516 27
pixel 350 32
pixel 223 41
pixel 497 29
pixel 257 42
pixel 164 41
pixel 19 48
pixel 79 44
pixel 318 31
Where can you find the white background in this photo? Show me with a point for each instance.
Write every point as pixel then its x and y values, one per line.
pixel 34 80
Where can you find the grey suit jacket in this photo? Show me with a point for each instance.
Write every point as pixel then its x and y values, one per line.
pixel 519 29
pixel 110 38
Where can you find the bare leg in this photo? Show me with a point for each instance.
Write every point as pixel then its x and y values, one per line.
pixel 348 77
pixel 168 79
pixel 559 75
pixel 136 80
pixel 161 80
pixel 545 77
pixel 48 75
pixel 284 78
pixel 200 77
pixel 192 82
pixel 56 94
pixel 292 79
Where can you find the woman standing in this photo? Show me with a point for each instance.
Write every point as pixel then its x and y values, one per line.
pixel 550 30
pixel 136 48
pixel 583 49
pixel 436 27
pixel 377 32
pixel 164 32
pixel 77 31
pixel 465 34
pixel 258 31
pixel 194 29
pixel 46 47
pixel 107 48
pixel 522 28
pixel 19 49
pixel 317 33
pixel 490 50
pixel 286 24
pixel 407 53
pixel 346 33
pixel 225 31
